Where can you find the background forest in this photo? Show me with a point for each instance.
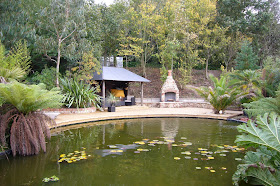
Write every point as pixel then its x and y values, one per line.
pixel 167 34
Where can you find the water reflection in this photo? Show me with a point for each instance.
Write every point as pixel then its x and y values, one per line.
pixel 113 159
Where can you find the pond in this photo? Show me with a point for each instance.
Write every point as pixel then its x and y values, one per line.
pixel 155 151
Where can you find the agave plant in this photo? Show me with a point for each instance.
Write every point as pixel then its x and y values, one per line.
pixel 221 95
pixel 263 166
pixel 79 94
pixel 21 109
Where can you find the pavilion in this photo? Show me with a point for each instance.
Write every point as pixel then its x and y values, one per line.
pixel 117 78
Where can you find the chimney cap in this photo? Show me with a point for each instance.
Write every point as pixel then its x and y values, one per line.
pixel 169 72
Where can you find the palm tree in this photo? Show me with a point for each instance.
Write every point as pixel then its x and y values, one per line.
pixel 222 95
pixel 249 81
pixel 22 119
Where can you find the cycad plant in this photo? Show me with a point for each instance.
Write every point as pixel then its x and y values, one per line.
pixel 23 121
pixel 249 81
pixel 79 94
pixel 222 95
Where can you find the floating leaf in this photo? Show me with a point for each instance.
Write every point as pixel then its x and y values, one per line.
pixel 208 168
pixel 188 143
pixel 183 138
pixel 223 168
pixel 223 155
pixel 212 171
pixel 136 152
pixel 112 146
pixel 188 157
pixel 53 179
pixel 211 158
pixel 62 155
pixel 174 145
pixel 198 168
pixel 238 159
pixel 177 158
pixel 186 152
pixel 195 159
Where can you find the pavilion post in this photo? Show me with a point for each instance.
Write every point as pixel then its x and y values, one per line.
pixel 142 93
pixel 103 94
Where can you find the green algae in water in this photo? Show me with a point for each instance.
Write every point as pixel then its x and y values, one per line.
pixel 135 152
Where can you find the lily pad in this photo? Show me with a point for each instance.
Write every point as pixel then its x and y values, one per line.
pixel 177 158
pixel 198 168
pixel 50 179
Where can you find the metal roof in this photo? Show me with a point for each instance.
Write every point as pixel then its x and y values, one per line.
pixel 118 74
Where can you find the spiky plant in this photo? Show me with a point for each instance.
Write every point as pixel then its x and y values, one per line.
pixel 221 95
pixel 23 121
pixel 78 93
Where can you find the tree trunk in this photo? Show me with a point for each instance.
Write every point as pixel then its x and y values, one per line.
pixel 206 68
pixel 58 63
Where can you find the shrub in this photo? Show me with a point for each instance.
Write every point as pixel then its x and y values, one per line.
pixel 46 77
pixel 78 93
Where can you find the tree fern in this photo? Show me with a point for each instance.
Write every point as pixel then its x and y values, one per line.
pixel 29 98
pixel 28 125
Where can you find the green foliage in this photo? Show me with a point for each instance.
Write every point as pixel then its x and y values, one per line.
pixel 29 98
pixel 221 95
pixel 271 73
pixel 112 99
pixel 15 64
pixel 246 59
pixel 249 81
pixel 261 167
pixel 79 94
pixel 266 133
pixel 263 105
pixel 163 73
pixel 86 67
pixel 46 77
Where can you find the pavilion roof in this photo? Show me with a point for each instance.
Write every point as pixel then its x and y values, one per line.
pixel 118 74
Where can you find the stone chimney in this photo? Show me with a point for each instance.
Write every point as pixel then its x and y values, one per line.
pixel 169 90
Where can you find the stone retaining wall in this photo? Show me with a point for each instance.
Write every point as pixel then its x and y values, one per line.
pixel 71 110
pixel 178 105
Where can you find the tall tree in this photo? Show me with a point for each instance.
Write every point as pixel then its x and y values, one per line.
pixel 60 31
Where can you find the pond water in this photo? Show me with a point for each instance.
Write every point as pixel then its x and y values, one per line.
pixel 157 151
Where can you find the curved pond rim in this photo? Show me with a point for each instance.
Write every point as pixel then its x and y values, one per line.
pixel 73 123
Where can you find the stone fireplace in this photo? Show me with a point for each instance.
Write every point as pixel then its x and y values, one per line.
pixel 169 93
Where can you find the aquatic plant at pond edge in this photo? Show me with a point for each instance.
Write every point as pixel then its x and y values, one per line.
pixel 79 94
pixel 260 167
pixel 23 121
